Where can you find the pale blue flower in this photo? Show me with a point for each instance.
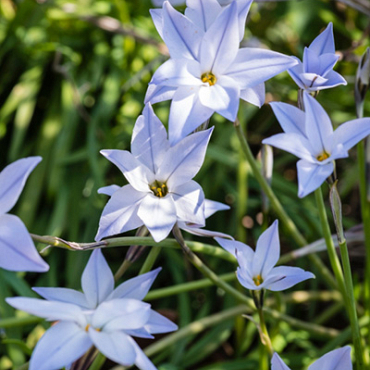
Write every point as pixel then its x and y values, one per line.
pixel 257 269
pixel 309 135
pixel 207 71
pixel 100 315
pixel 339 359
pixel 17 251
pixel 316 71
pixel 161 190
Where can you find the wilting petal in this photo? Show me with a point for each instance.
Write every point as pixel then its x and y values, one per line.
pixel 267 251
pixel 350 133
pixel 158 215
pixel 97 279
pixel 142 361
pixel 65 295
pixel 62 344
pixel 232 246
pixel 189 202
pixel 180 34
pixel 121 314
pixel 318 127
pixel 311 176
pixel 158 324
pixel 292 143
pixel 120 213
pixel 115 345
pixel 284 277
pixel 186 113
pixel 254 95
pixel 211 207
pixel 253 66
pixel 339 359
pixel 220 44
pixel 108 190
pixel 149 139
pixel 12 180
pixel 50 310
pixel 17 251
pixel 277 363
pixel 202 12
pixel 324 43
pixel 178 72
pixel 136 287
pixel 156 94
pixel 137 175
pixel 291 119
pixel 183 161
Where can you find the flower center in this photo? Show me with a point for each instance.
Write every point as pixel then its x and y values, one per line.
pixel 258 280
pixel 324 155
pixel 209 77
pixel 87 328
pixel 159 189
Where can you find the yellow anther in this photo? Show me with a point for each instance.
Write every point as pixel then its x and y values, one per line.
pixel 159 189
pixel 324 155
pixel 258 280
pixel 209 77
pixel 87 328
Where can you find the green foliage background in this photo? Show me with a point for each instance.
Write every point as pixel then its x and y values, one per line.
pixel 73 75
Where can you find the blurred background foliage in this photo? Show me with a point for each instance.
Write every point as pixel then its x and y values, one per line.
pixel 73 75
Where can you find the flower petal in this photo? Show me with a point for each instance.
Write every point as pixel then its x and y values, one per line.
pixel 243 7
pixel 180 34
pixel 254 95
pixel 12 180
pixel 327 62
pixel 108 190
pixel 142 361
pixel 138 175
pixel 318 127
pixel 311 62
pixel 284 277
pixel 350 133
pixel 277 363
pixel 149 139
pixel 267 251
pixel 121 314
pixel 18 253
pixel 186 113
pixel 211 207
pixel 233 245
pixel 114 345
pixel 339 359
pixel 324 43
pixel 136 287
pixel 62 344
pixel 158 215
pixel 311 176
pixel 333 79
pixel 292 143
pixel 157 18
pixel 97 279
pixel 156 93
pixel 50 310
pixel 189 202
pixel 296 72
pixel 120 213
pixel 63 295
pixel 291 118
pixel 158 324
pixel 202 12
pixel 183 161
pixel 196 230
pixel 220 43
pixel 253 66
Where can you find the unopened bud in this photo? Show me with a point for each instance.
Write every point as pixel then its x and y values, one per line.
pixel 362 82
pixel 336 209
pixel 267 163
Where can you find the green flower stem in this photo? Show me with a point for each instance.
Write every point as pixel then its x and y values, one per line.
pixel 279 210
pixel 121 270
pixel 342 283
pixel 265 337
pixel 13 322
pixel 365 213
pixel 150 260
pixel 98 362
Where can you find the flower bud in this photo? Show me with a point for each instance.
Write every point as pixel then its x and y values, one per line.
pixel 362 82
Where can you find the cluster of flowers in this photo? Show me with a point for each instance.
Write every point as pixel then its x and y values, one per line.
pixel 206 73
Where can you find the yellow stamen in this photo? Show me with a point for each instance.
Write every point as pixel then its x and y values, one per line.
pixel 324 155
pixel 258 280
pixel 87 328
pixel 159 189
pixel 209 77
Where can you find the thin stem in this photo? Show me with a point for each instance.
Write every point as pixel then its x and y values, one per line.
pixel 150 260
pixel 121 270
pixel 279 210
